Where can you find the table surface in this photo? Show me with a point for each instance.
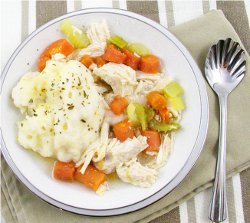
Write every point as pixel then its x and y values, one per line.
pixel 29 15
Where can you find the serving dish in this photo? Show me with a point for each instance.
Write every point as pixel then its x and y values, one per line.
pixel 34 171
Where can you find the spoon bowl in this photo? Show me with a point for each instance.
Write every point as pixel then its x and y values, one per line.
pixel 225 65
pixel 225 68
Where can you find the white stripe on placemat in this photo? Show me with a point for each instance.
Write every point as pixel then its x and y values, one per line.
pixel 32 16
pixel 162 12
pixel 238 199
pixel 212 4
pixel 96 3
pixel 186 10
pixel 201 206
pixel 70 5
pixel 10 27
pixel 247 7
pixel 123 4
pixel 183 213
pixel 202 201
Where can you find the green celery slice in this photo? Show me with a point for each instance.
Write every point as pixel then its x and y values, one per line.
pixel 132 115
pixel 150 114
pixel 137 115
pixel 141 114
pixel 118 41
pixel 139 49
pixel 163 127
pixel 76 37
pixel 173 89
pixel 177 103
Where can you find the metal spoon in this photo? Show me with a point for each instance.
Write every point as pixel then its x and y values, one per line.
pixel 225 68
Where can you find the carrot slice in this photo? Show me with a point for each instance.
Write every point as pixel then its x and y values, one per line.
pixel 86 60
pixel 99 61
pixel 156 100
pixel 91 178
pixel 118 105
pixel 164 113
pixel 151 149
pixel 131 60
pixel 64 170
pixel 123 130
pixel 60 46
pixel 153 140
pixel 112 54
pixel 149 64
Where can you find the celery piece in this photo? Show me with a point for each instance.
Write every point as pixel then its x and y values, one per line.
pixel 118 41
pixel 132 115
pixel 141 114
pixel 150 114
pixel 177 103
pixel 173 89
pixel 139 49
pixel 137 115
pixel 77 37
pixel 163 127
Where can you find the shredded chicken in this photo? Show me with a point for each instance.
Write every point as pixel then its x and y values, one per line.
pixel 134 173
pixel 119 152
pixel 120 77
pixel 98 34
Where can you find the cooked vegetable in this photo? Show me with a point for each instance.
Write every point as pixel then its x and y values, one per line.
pixel 118 41
pixel 137 115
pixel 118 105
pixel 123 130
pixel 177 103
pixel 153 140
pixel 150 114
pixel 132 60
pixel 112 54
pixel 132 115
pixel 163 127
pixel 60 46
pixel 141 114
pixel 150 64
pixel 164 113
pixel 91 178
pixel 86 60
pixel 173 89
pixel 99 61
pixel 156 100
pixel 139 49
pixel 77 37
pixel 64 171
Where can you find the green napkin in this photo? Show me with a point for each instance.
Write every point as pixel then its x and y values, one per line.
pixel 20 205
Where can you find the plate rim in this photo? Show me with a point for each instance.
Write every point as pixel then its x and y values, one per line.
pixel 197 148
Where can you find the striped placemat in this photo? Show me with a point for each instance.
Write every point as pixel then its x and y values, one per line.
pixel 20 18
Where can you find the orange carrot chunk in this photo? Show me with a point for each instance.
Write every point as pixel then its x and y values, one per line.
pixel 131 60
pixel 123 130
pixel 153 140
pixel 112 54
pixel 60 46
pixel 164 113
pixel 118 105
pixel 64 171
pixel 156 100
pixel 149 64
pixel 99 61
pixel 86 60
pixel 91 178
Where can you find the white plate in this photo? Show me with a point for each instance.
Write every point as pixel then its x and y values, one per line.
pixel 35 172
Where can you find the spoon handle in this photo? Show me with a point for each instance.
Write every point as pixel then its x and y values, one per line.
pixel 218 204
